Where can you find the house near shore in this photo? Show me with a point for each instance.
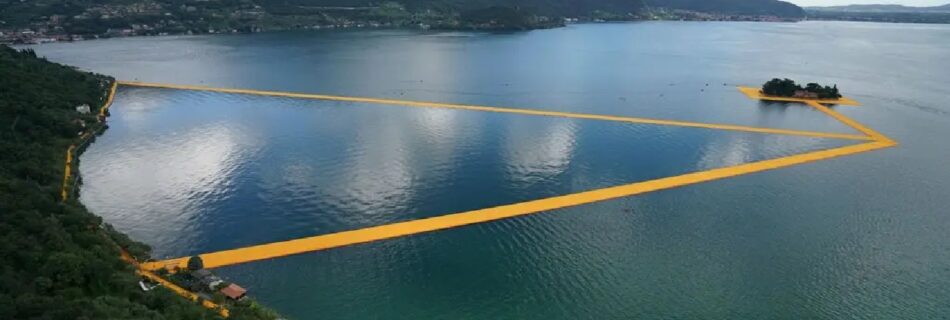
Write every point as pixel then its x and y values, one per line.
pixel 233 292
pixel 207 279
pixel 83 109
pixel 208 282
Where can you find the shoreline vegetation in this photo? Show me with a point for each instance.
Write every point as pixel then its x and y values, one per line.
pixel 43 21
pixel 789 89
pixel 60 260
pixel 883 17
pixel 882 13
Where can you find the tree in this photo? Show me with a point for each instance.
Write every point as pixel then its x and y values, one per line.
pixel 788 88
pixel 780 87
pixel 195 263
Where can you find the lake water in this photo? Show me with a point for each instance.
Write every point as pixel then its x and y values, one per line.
pixel 860 237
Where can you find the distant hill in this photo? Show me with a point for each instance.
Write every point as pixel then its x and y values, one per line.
pixel 541 7
pixel 882 13
pixel 98 18
pixel 18 13
pixel 575 8
pixel 35 21
pixel 884 8
pixel 738 7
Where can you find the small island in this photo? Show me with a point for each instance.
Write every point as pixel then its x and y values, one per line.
pixel 788 88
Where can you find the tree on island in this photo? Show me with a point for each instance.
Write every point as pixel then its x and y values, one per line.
pixel 788 88
pixel 195 263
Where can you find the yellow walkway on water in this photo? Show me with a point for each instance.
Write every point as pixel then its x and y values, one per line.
pixel 323 242
pixel 221 310
pixel 67 170
pixel 292 247
pixel 422 104
pixel 756 93
pixel 65 192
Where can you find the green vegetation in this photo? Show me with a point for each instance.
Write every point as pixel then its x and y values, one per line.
pixel 734 7
pixel 106 18
pixel 505 18
pixel 881 8
pixel 882 13
pixel 788 88
pixel 195 263
pixel 43 20
pixel 896 17
pixel 59 260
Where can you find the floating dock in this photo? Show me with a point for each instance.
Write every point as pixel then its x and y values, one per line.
pixel 756 93
pixel 870 140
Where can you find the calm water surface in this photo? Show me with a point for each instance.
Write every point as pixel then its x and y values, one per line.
pixel 860 237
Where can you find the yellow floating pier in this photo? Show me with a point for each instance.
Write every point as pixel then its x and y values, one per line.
pixel 439 105
pixel 221 310
pixel 292 247
pixel 64 194
pixel 67 170
pixel 873 141
pixel 874 135
pixel 224 312
pixel 756 93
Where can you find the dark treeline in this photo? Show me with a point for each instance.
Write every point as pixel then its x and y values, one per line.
pixel 19 12
pixel 146 17
pixel 504 18
pixel 788 88
pixel 59 261
pixel 896 17
pixel 175 16
pixel 737 7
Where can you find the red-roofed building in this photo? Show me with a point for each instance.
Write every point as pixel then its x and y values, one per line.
pixel 234 292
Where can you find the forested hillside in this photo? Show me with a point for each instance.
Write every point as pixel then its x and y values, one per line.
pixel 891 8
pixel 57 18
pixel 554 8
pixel 740 7
pixel 60 261
pixel 882 13
pixel 16 12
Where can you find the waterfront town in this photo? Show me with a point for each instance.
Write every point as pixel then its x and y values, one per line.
pixel 153 18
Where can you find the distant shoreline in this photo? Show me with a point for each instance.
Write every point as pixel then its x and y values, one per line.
pixel 357 29
pixel 486 22
pixel 70 39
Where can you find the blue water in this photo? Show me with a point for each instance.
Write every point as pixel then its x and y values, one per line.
pixel 221 171
pixel 856 237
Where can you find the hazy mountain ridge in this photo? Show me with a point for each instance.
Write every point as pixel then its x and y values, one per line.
pixel 542 7
pixel 738 7
pixel 38 21
pixel 16 12
pixel 882 8
pixel 570 8
pixel 882 13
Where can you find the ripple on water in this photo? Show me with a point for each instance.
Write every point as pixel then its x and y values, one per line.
pixel 230 177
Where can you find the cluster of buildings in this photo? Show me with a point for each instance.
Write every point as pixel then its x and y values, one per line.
pixel 687 15
pixel 134 19
pixel 150 17
pixel 28 36
pixel 205 281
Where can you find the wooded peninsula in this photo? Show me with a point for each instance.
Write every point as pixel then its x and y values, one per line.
pixel 61 261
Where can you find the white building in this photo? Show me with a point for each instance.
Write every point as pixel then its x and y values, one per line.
pixel 83 109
